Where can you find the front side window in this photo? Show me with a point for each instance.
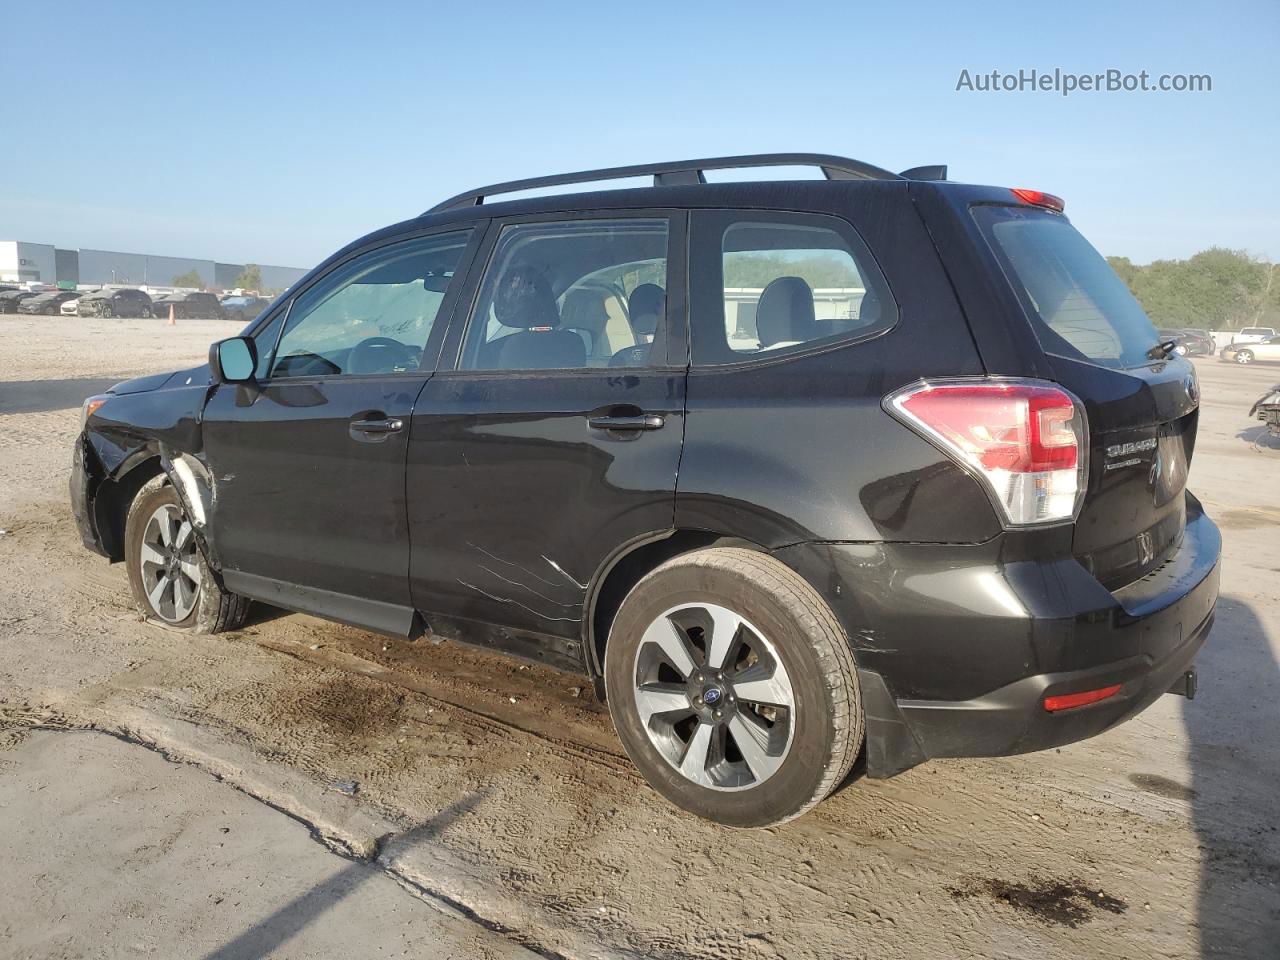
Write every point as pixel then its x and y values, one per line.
pixel 572 295
pixel 373 314
pixel 787 283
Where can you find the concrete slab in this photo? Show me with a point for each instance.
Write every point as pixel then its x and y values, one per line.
pixel 110 850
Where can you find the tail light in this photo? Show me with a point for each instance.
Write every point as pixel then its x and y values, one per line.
pixel 1025 441
pixel 1067 701
pixel 1038 198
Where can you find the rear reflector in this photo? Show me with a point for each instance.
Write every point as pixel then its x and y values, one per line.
pixel 1068 700
pixel 1024 440
pixel 1038 198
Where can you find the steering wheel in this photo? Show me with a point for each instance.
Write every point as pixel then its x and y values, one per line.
pixel 378 355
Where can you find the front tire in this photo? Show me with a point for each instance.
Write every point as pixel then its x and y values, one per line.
pixel 1244 356
pixel 168 574
pixel 733 687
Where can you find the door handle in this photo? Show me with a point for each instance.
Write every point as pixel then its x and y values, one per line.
pixel 377 427
pixel 643 421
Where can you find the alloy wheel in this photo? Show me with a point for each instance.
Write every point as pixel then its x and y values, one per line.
pixel 170 565
pixel 714 697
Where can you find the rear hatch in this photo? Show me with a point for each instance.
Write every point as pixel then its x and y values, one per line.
pixel 1142 409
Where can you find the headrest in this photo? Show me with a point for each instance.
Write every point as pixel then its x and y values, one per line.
pixel 584 309
pixel 524 299
pixel 869 309
pixel 785 312
pixel 645 307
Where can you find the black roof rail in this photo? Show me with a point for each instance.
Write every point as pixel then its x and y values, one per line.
pixel 679 172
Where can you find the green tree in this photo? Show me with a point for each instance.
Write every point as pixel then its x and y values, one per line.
pixel 191 278
pixel 250 277
pixel 817 269
pixel 1216 289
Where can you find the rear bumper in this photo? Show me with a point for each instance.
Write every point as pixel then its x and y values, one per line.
pixel 1013 719
pixel 957 646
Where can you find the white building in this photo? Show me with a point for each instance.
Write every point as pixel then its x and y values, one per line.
pixel 22 262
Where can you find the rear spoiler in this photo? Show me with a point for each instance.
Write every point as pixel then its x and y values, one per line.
pixel 937 171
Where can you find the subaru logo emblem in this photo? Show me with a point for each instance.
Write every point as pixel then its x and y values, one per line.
pixel 711 695
pixel 1193 389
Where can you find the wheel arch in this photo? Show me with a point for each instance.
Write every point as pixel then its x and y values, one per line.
pixel 116 492
pixel 627 567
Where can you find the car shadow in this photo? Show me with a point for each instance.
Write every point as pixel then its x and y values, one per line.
pixel 43 396
pixel 265 937
pixel 260 613
pixel 1259 436
pixel 1235 771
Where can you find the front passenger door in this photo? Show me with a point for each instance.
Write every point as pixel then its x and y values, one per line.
pixel 309 461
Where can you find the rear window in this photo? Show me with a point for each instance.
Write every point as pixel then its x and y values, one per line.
pixel 1079 307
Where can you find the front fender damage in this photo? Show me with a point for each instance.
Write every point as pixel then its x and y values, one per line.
pixel 136 436
pixel 196 488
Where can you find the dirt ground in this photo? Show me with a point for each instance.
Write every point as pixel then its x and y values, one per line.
pixel 1156 840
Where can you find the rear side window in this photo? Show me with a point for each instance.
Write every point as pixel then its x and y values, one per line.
pixel 572 295
pixel 1078 305
pixel 785 283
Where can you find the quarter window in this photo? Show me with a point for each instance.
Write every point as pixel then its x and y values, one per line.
pixel 372 315
pixel 571 295
pixel 788 284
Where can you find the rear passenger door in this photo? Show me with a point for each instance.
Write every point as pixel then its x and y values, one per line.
pixel 556 437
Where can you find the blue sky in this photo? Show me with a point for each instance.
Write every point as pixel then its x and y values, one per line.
pixel 277 132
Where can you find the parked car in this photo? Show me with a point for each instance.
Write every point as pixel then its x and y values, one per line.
pixel 244 309
pixel 114 303
pixel 199 306
pixel 1253 335
pixel 10 299
pixel 1195 343
pixel 1267 351
pixel 49 304
pixel 1267 409
pixel 942 512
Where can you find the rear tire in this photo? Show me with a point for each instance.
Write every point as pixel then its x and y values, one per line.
pixel 168 574
pixel 733 687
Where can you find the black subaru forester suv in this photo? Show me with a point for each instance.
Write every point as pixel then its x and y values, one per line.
pixel 791 470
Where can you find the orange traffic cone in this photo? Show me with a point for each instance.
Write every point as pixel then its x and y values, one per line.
pixel 173 322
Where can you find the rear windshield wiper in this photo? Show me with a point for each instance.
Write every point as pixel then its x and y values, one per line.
pixel 1162 350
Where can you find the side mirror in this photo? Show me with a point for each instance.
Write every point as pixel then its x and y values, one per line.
pixel 233 360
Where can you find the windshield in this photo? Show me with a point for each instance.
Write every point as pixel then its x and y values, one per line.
pixel 1079 307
